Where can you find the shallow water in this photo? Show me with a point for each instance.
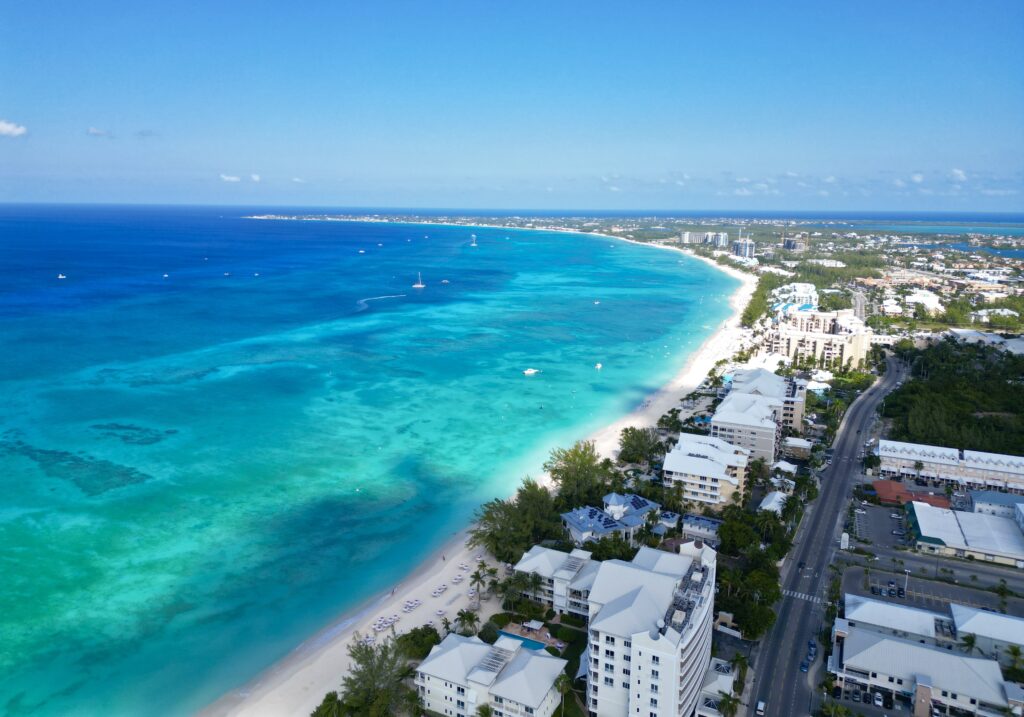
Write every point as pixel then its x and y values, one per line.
pixel 201 470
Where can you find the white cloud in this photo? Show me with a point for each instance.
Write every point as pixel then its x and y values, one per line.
pixel 680 183
pixel 761 187
pixel 9 129
pixel 298 180
pixel 899 183
pixel 742 192
pixel 613 188
pixel 230 178
pixel 830 179
pixel 822 193
pixel 96 132
pixel 792 175
pixel 916 177
pixel 999 192
pixel 254 177
pixel 743 180
pixel 958 175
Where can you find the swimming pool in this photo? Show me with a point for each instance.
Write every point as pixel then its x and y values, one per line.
pixel 527 642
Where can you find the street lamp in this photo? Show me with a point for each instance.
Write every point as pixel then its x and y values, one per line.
pixel 906 580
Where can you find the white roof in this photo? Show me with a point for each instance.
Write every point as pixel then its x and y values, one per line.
pixel 507 668
pixel 784 466
pixel 977 531
pixel 994 462
pixel 704 456
pixel 945 669
pixel 891 616
pixel 996 626
pixel 659 561
pixel 773 502
pixel 918 452
pixel 549 563
pixel 746 409
pixel 797 442
pixel 630 599
pixel 759 381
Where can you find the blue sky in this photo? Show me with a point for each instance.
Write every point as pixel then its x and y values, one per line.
pixel 604 105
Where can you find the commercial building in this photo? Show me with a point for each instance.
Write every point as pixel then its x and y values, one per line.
pixel 650 633
pixel 464 673
pixel 794 244
pixel 709 470
pixel 927 677
pixel 791 391
pixel 565 578
pixel 960 534
pixel 822 337
pixel 994 633
pixel 743 248
pixel 994 502
pixel 798 448
pixel 750 421
pixel 964 470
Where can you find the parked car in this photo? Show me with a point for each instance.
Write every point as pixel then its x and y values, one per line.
pixel 899 533
pixel 855 695
pixel 878 699
pixel 892 583
pixel 900 592
pixel 874 589
pixel 897 516
pixel 837 692
pixel 892 592
pixel 804 666
pixel 860 511
pixel 761 706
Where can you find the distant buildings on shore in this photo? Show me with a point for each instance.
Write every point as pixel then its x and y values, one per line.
pixel 821 337
pixel 718 240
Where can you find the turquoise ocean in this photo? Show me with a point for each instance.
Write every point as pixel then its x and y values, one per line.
pixel 219 433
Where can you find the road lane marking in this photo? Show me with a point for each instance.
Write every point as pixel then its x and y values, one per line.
pixel 803 596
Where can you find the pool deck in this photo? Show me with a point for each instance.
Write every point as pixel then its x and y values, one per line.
pixel 542 636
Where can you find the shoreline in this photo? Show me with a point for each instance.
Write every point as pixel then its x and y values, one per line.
pixel 295 684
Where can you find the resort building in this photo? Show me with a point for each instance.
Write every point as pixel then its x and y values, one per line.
pixel 762 382
pixel 926 677
pixel 964 470
pixel 624 515
pixel 750 421
pixel 796 244
pixel 650 633
pixel 985 315
pixel 699 527
pixel 464 673
pixel 565 578
pixel 709 470
pixel 959 534
pixel 822 337
pixel 801 295
pixel 774 502
pixel 993 632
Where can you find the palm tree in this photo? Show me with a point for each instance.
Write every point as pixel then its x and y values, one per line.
pixel 446 625
pixel 834 709
pixel 467 620
pixel 484 711
pixel 535 584
pixel 969 643
pixel 477 580
pixel 1014 653
pixel 790 508
pixel 563 684
pixel 728 705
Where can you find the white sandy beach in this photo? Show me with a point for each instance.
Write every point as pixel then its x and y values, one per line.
pixel 295 685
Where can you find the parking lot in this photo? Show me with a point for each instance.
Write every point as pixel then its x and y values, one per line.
pixel 925 594
pixel 875 524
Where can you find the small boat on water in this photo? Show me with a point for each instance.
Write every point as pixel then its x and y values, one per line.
pixel 596 303
pixel 472 240
pixel 531 371
pixel 444 281
pixel 61 276
pixel 362 251
pixel 598 366
pixel 419 282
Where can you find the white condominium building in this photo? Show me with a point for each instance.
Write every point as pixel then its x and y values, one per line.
pixel 974 470
pixel 463 673
pixel 762 382
pixel 821 336
pixel 750 421
pixel 565 578
pixel 798 294
pixel 650 633
pixel 709 469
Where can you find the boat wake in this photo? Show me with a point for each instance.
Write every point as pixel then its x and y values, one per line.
pixel 364 305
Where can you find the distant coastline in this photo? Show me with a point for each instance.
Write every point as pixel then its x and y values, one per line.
pixel 296 684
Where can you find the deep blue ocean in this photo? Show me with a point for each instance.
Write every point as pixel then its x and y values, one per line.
pixel 218 433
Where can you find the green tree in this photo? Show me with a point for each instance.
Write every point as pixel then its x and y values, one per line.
pixel 639 445
pixel 373 685
pixel 612 547
pixel 508 528
pixel 416 643
pixel 484 711
pixel 579 473
pixel 563 684
pixel 1014 653
pixel 728 705
pixel 969 643
pixel 330 707
pixel 467 620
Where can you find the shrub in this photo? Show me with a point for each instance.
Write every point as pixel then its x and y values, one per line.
pixel 567 634
pixel 417 642
pixel 573 621
pixel 500 620
pixel 488 633
pixel 550 614
pixel 552 651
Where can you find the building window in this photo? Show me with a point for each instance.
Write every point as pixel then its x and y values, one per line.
pixel 609 640
pixel 627 643
pixel 460 690
pixel 655 660
pixel 610 654
pixel 609 682
pixel 654 674
pixel 654 702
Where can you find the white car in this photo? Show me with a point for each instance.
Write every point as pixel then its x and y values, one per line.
pixel 860 511
pixel 878 699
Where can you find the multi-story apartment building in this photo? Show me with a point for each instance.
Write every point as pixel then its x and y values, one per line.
pixel 464 673
pixel 974 470
pixel 650 633
pixel 565 578
pixel 824 337
pixel 744 248
pixel 791 391
pixel 709 470
pixel 750 421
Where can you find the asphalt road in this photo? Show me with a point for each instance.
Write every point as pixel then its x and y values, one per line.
pixel 779 683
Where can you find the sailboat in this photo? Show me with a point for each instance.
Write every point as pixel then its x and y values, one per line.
pixel 472 241
pixel 419 282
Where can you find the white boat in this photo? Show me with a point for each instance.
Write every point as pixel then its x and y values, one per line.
pixel 472 240
pixel 362 251
pixel 61 276
pixel 596 303
pixel 531 371
pixel 444 281
pixel 419 282
pixel 597 366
